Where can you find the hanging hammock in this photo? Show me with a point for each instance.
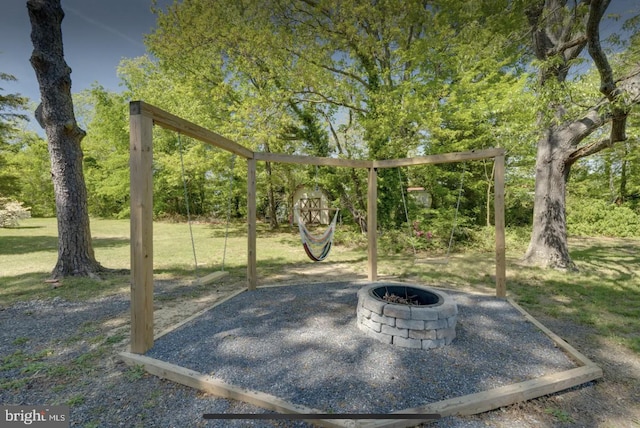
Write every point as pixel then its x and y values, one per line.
pixel 317 247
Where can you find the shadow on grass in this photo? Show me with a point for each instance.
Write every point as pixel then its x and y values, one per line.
pixel 32 286
pixel 604 294
pixel 460 269
pixel 618 257
pixel 24 287
pixel 14 245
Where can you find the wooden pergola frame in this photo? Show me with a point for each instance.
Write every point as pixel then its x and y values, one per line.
pixel 144 116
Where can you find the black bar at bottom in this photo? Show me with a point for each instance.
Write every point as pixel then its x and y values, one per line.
pixel 315 416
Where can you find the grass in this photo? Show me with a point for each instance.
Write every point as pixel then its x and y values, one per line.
pixel 28 254
pixel 135 373
pixel 604 294
pixel 560 415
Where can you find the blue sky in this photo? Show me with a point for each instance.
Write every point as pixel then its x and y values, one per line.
pixel 97 34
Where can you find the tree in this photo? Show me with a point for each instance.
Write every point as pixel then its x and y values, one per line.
pixel 106 150
pixel 55 114
pixel 207 171
pixel 32 161
pixel 561 31
pixel 9 103
pixel 376 75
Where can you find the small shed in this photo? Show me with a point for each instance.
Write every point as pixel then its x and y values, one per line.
pixel 312 205
pixel 421 196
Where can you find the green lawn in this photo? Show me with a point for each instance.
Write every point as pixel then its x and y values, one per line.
pixel 605 294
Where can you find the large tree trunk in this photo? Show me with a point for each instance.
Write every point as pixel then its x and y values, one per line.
pixel 55 114
pixel 548 246
pixel 559 36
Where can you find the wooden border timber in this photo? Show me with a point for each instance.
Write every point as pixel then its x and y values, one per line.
pixel 223 389
pixel 576 355
pixel 199 313
pixel 492 399
pixel 465 405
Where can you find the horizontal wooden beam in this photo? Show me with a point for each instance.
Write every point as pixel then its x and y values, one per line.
pixel 389 163
pixel 312 160
pixel 440 158
pixel 169 121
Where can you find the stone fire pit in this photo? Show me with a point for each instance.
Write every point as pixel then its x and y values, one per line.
pixel 410 316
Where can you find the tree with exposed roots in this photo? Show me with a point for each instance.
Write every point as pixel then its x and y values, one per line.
pixel 561 31
pixel 55 114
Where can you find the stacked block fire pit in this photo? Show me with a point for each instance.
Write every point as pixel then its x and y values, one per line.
pixel 409 316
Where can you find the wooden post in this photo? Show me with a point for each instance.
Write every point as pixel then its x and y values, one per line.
pixel 141 187
pixel 372 224
pixel 501 263
pixel 252 272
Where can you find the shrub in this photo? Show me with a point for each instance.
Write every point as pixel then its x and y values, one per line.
pixel 599 218
pixel 350 237
pixel 11 212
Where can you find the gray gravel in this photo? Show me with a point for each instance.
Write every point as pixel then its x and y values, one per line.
pixel 301 344
pixel 66 358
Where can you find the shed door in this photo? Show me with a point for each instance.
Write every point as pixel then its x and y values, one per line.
pixel 310 210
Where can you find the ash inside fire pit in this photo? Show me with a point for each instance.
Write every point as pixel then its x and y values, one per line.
pixel 406 295
pixel 409 316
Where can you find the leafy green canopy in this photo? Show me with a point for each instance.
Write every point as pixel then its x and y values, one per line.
pixel 10 104
pixel 352 79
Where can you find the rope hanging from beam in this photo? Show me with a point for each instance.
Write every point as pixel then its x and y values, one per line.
pixel 219 274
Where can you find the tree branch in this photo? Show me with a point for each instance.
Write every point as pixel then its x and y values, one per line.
pixel 596 12
pixel 329 68
pixel 631 85
pixel 588 150
pixel 608 87
pixel 594 119
pixel 328 100
pixel 579 43
pixel 333 133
